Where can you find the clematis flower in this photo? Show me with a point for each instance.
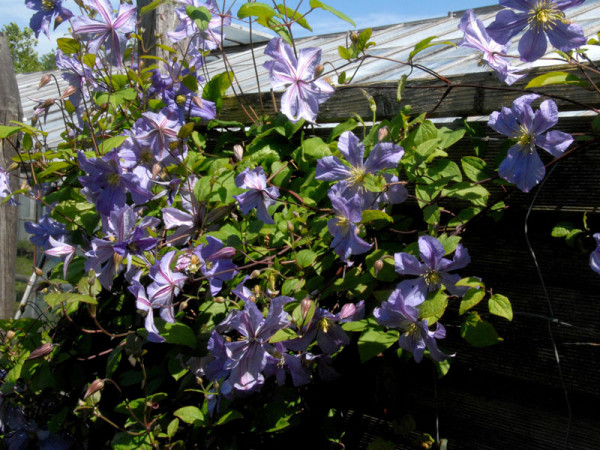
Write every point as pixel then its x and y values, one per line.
pixel 343 227
pixel 61 250
pixel 595 255
pixel 259 196
pixel 476 36
pixel 304 91
pixel 433 272
pixel 143 304
pixel 166 286
pixel 399 312
pixel 45 11
pixel 5 190
pixel 213 260
pixel 384 155
pixel 109 30
pixel 45 228
pixel 250 355
pixel 522 165
pixel 542 19
pixel 156 131
pixel 208 39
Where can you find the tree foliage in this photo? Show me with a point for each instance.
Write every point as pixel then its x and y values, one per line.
pixel 22 45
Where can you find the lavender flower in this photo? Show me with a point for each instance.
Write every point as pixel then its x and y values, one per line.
pixel 61 250
pixel 595 255
pixel 476 36
pixel 259 196
pixel 384 155
pixel 45 228
pixel 522 165
pixel 109 29
pixel 213 260
pixel 541 19
pixel 156 131
pixel 45 11
pixel 343 227
pixel 305 92
pixel 398 312
pixel 143 304
pixel 167 285
pixel 432 272
pixel 5 190
pixel 208 39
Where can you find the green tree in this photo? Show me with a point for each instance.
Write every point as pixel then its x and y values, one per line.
pixel 22 49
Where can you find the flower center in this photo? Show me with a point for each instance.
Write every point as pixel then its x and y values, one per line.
pixel 180 100
pixel 343 223
pixel 526 139
pixel 432 279
pixel 325 324
pixel 113 179
pixel 545 15
pixel 194 264
pixel 357 176
pixel 48 5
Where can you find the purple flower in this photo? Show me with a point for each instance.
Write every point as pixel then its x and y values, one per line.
pixel 250 355
pixel 522 165
pixel 107 183
pixel 108 30
pixel 259 196
pixel 5 190
pixel 304 92
pixel 156 131
pixel 476 36
pixel 167 285
pixel 213 260
pixel 45 11
pixel 433 271
pixel 60 250
pixel 398 312
pixel 343 227
pixel 595 255
pixel 143 304
pixel 384 155
pixel 208 39
pixel 541 19
pixel 45 228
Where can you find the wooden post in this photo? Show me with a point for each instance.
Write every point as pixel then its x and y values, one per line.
pixel 156 24
pixel 10 109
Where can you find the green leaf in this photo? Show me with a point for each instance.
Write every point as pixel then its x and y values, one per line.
pixel 371 215
pixel 172 428
pixel 8 131
pixel 200 15
pixel 477 194
pixel 291 286
pixel 434 307
pixel 474 168
pixel 218 85
pixel 190 414
pixel 431 214
pixel 282 335
pixel 472 282
pixel 68 46
pixel 401 87
pixel 317 4
pixel 230 415
pixel 151 7
pixel 471 298
pixel 295 16
pixel 426 43
pixel 262 11
pixel 315 148
pixel 177 333
pixel 348 125
pixel 375 340
pixel 110 143
pixel 499 305
pixel 478 332
pixel 562 229
pixel 552 78
pixel 53 299
pixel 53 167
pixel 359 325
pixel 191 82
pixel 126 441
pixel 305 258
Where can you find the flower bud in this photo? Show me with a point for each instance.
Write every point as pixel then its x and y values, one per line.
pixel 354 37
pixel 305 306
pixel 255 274
pixel 10 334
pixel 219 299
pixel 38 271
pixel 198 101
pixel 383 133
pixel 319 70
pixel 44 81
pixel 94 387
pixel 68 92
pixel 92 310
pixel 238 152
pixel 225 252
pixel 12 167
pixel 290 226
pixel 256 289
pixel 378 266
pixel 43 350
pixel 92 279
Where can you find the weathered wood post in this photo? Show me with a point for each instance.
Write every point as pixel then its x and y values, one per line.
pixel 10 109
pixel 155 25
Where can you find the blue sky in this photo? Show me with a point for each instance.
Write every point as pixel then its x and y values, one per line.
pixel 370 13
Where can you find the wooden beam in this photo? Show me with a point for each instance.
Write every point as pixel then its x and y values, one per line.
pixel 10 109
pixel 467 98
